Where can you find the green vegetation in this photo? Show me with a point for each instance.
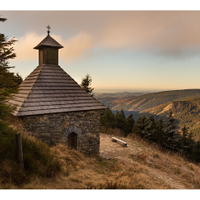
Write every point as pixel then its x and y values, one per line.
pixel 129 124
pixel 85 84
pixel 9 82
pixel 117 121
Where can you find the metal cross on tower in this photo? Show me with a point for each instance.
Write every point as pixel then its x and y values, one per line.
pixel 48 27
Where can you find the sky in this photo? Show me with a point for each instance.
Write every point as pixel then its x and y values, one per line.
pixel 124 50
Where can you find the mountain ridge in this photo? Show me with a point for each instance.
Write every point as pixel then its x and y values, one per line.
pixel 145 101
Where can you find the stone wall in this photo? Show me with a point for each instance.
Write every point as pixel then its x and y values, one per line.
pixel 55 128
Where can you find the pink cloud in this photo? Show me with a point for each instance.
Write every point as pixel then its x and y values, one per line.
pixel 24 46
pixel 74 47
pixel 77 46
pixel 166 30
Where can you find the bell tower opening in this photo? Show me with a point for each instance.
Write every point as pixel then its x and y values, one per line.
pixel 72 141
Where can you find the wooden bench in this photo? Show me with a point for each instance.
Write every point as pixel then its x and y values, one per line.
pixel 114 139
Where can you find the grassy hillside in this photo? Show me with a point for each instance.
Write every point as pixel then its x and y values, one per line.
pixel 143 167
pixel 147 101
pixel 186 112
pixel 39 160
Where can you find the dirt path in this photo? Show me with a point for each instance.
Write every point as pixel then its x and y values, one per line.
pixel 115 150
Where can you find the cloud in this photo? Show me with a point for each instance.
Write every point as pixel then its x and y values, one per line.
pixel 24 46
pixel 167 31
pixel 77 46
pixel 74 48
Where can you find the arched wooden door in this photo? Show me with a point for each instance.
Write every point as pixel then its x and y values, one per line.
pixel 72 141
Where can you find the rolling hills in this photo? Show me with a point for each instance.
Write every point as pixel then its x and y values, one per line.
pixel 185 105
pixel 186 113
pixel 146 101
pixel 117 95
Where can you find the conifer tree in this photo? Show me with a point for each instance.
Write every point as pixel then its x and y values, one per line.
pixel 151 130
pixel 171 138
pixel 159 132
pixel 184 139
pixel 129 124
pixel 6 48
pixel 116 119
pixel 8 81
pixel 85 84
pixel 120 120
pixel 187 144
pixel 141 127
pixel 107 119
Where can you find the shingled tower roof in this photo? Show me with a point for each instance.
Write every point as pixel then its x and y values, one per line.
pixel 49 89
pixel 48 41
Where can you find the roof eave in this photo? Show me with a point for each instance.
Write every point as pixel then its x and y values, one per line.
pixel 18 114
pixel 41 46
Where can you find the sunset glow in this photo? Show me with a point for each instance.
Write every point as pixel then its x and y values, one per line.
pixel 121 50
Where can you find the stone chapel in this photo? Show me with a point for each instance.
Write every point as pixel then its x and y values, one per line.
pixel 54 108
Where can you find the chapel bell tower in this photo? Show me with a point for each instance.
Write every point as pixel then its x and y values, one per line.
pixel 48 50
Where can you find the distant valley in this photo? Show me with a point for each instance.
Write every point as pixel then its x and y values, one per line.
pixel 185 105
pixel 141 101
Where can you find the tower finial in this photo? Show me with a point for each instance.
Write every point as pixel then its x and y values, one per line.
pixel 48 27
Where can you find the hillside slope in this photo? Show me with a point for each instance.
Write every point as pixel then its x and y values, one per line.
pixel 138 166
pixel 163 168
pixel 186 112
pixel 147 101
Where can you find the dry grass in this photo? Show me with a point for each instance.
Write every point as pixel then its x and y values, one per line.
pixel 148 169
pixel 112 131
pixel 170 166
pixel 79 171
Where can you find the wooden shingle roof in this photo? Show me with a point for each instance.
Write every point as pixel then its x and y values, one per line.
pixel 49 89
pixel 48 41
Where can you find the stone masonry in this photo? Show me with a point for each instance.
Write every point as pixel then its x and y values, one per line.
pixel 55 128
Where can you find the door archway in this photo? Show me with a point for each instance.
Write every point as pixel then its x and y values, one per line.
pixel 72 141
